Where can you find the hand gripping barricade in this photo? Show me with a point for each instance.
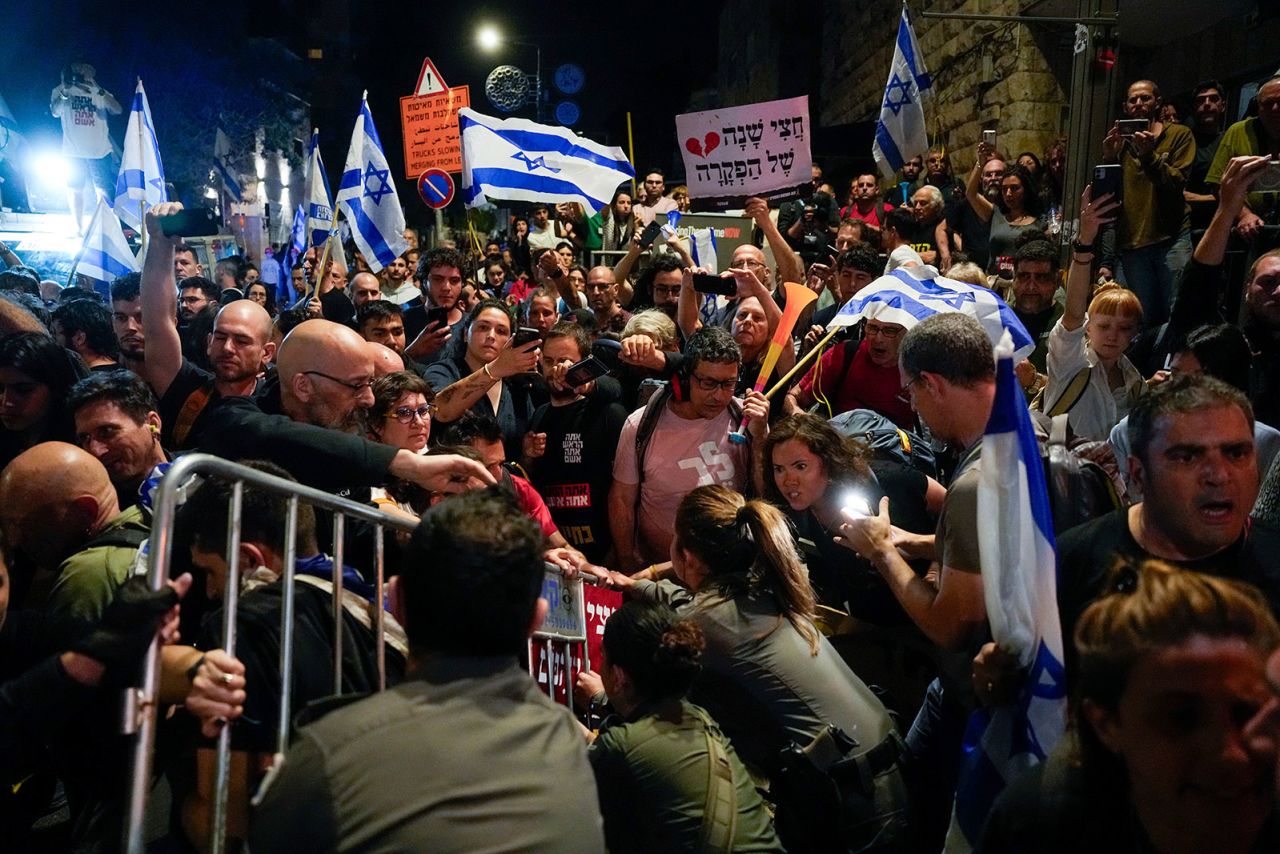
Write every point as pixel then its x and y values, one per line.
pixel 140 703
pixel 566 641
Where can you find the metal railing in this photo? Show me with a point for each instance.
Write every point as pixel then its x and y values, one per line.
pixel 141 702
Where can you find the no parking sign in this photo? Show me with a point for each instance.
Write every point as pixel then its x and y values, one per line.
pixel 436 188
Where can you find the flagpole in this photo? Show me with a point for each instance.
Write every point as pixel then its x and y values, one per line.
pixel 803 362
pixel 631 148
pixel 71 277
pixel 142 203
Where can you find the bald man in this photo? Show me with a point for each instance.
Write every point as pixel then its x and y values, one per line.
pixel 385 360
pixel 239 349
pixel 311 422
pixel 56 499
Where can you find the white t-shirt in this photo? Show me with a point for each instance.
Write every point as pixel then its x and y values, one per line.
pixel 904 254
pixel 543 238
pixel 683 454
pixel 407 292
pixel 84 122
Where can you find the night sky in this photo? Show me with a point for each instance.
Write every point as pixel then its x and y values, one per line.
pixel 635 57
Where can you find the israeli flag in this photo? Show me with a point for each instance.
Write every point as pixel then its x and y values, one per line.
pixel 141 179
pixel 319 206
pixel 910 294
pixel 367 195
pixel 702 246
pixel 900 132
pixel 520 160
pixel 105 254
pixel 222 163
pixel 1019 583
pixel 297 247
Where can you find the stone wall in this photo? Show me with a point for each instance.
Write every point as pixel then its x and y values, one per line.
pixel 1021 97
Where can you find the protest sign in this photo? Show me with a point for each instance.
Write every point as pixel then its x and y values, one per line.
pixel 754 150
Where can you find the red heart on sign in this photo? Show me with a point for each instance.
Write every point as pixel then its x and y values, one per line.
pixel 694 146
pixel 711 141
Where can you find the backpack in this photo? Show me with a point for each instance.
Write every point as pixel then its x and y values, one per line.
pixel 887 440
pixel 653 407
pixel 1079 489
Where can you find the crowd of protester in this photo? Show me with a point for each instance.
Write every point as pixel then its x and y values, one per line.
pixel 805 634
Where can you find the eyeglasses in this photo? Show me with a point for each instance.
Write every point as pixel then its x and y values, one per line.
pixel 751 262
pixel 890 332
pixel 904 393
pixel 357 388
pixel 192 300
pixel 708 384
pixel 406 414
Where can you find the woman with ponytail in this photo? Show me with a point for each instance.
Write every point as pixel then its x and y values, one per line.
pixel 668 779
pixel 774 684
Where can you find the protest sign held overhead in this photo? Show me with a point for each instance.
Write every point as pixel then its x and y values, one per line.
pixel 737 152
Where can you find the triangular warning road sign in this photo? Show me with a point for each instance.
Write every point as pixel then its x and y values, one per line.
pixel 429 79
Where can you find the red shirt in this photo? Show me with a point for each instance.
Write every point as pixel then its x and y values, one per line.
pixel 865 385
pixel 872 217
pixel 533 505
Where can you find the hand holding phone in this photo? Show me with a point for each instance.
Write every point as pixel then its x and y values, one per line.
pixel 190 222
pixel 586 371
pixel 526 335
pixel 650 234
pixel 709 283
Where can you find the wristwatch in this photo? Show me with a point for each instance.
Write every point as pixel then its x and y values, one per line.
pixel 1081 248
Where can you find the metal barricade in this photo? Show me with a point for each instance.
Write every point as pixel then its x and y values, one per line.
pixel 574 624
pixel 141 702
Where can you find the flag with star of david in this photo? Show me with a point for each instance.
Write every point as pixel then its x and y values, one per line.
pixel 367 196
pixel 900 132
pixel 910 294
pixel 520 160
pixel 1019 585
pixel 141 178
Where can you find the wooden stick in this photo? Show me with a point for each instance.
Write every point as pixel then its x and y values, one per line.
pixel 803 363
pixel 631 149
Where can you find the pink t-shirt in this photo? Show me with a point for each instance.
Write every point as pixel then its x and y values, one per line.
pixel 683 454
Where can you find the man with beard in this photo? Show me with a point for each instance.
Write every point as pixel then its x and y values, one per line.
pixel 969 231
pixel 239 349
pixel 1209 108
pixel 858 375
pixel 900 193
pixel 602 297
pixel 1153 230
pixel 1035 280
pixel 571 445
pixel 126 319
pixel 311 419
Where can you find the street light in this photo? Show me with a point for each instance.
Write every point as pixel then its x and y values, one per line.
pixel 490 38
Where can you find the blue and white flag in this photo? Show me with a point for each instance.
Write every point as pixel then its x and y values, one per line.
pixel 319 203
pixel 367 195
pixel 910 294
pixel 702 246
pixel 1019 584
pixel 141 179
pixel 222 162
pixel 519 160
pixel 900 132
pixel 105 254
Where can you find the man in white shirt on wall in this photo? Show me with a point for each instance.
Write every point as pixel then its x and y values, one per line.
pixel 83 105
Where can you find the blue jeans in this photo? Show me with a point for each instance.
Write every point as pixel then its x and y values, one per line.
pixel 934 751
pixel 1153 273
